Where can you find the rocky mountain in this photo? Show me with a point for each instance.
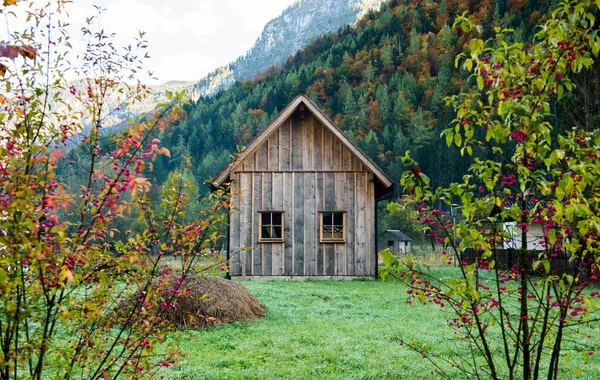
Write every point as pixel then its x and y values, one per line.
pixel 285 35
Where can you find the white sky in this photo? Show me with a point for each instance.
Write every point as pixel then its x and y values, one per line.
pixel 187 38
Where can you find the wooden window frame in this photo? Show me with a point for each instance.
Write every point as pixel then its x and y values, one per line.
pixel 261 239
pixel 323 239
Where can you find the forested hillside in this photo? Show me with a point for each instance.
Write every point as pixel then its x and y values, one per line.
pixel 382 82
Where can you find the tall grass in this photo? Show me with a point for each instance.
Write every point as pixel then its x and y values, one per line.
pixel 428 256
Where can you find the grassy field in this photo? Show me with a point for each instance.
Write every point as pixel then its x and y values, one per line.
pixel 335 329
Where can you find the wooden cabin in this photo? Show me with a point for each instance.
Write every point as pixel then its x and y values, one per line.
pixel 304 200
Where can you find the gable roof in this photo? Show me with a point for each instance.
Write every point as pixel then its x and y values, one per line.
pixel 280 119
pixel 399 235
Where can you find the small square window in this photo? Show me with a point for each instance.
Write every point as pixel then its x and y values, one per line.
pixel 333 226
pixel 271 226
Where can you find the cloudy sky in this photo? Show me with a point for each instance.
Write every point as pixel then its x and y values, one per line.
pixel 187 38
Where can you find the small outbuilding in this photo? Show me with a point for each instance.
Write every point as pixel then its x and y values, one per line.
pixel 535 236
pixel 304 200
pixel 513 237
pixel 397 241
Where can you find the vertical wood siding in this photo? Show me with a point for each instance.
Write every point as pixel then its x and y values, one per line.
pixel 301 170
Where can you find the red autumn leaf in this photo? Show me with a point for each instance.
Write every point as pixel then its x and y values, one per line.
pixel 27 51
pixel 98 174
pixel 164 151
pixel 416 171
pixel 8 51
pixel 12 51
pixel 56 155
pixel 135 183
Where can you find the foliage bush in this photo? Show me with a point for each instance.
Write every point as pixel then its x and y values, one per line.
pixel 513 322
pixel 61 270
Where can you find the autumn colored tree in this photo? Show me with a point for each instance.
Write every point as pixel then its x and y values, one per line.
pixel 62 274
pixel 514 321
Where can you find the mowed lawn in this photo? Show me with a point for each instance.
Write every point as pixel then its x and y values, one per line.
pixel 336 329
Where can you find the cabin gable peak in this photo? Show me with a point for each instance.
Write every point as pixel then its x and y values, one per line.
pixel 303 104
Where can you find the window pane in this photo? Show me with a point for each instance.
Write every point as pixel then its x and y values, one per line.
pixel 327 232
pixel 276 218
pixel 266 232
pixel 327 219
pixel 277 232
pixel 265 218
pixel 338 232
pixel 338 218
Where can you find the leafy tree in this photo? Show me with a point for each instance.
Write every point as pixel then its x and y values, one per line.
pixel 62 272
pixel 516 319
pixel 401 218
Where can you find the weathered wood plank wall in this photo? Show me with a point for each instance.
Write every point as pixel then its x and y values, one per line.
pixel 301 170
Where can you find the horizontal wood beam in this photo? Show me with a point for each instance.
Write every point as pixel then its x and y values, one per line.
pixel 303 278
pixel 303 171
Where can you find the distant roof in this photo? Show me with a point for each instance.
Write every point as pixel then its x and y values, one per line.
pixel 399 235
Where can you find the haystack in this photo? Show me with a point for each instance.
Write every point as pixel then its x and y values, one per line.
pixel 203 301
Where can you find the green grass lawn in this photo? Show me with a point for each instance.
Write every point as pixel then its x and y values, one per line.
pixel 334 329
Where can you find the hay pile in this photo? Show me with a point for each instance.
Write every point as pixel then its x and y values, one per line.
pixel 202 301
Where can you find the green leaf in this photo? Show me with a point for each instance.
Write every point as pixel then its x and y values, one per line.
pixel 457 60
pixel 449 138
pixel 590 16
pixel 568 86
pixel 458 139
pixel 522 110
pixel 596 46
pixel 560 193
pixel 479 82
pixel 393 207
pixel 569 278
